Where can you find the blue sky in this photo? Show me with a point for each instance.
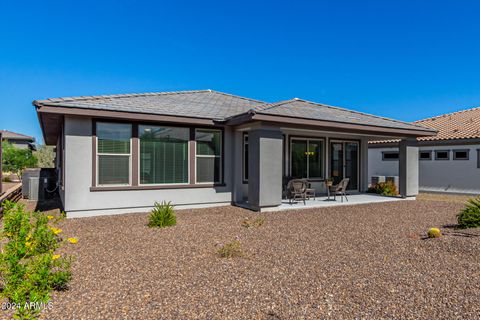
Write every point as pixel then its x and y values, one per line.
pixel 404 59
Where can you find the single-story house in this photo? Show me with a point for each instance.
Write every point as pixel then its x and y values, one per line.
pixel 18 140
pixel 448 162
pixel 121 153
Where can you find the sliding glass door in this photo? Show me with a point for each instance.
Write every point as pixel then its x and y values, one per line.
pixel 344 161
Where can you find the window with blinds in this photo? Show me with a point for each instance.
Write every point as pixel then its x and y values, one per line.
pixel 208 155
pixel 163 154
pixel 113 153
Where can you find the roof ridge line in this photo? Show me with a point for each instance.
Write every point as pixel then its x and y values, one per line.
pixel 236 96
pixel 447 114
pixel 358 112
pixel 267 106
pixel 121 95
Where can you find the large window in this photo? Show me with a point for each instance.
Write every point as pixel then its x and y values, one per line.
pixel 307 158
pixel 113 153
pixel 208 155
pixel 163 154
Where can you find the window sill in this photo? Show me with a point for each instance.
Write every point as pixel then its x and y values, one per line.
pixel 156 187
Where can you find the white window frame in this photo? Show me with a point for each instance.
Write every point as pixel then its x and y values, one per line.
pixel 220 175
pixel 140 160
pixel 129 155
pixel 308 161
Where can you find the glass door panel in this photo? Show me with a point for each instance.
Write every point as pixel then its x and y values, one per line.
pixel 351 164
pixel 336 161
pixel 315 159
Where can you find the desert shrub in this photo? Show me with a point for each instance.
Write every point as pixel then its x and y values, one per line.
pixel 384 188
pixel 434 233
pixel 29 267
pixel 231 250
pixel 469 217
pixel 253 223
pixel 45 156
pixel 162 215
pixel 61 274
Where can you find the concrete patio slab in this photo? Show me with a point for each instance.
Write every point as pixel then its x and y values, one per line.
pixel 320 202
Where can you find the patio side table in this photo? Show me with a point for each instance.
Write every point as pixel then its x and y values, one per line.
pixel 328 185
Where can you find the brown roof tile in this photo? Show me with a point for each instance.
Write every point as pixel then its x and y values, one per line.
pixel 463 124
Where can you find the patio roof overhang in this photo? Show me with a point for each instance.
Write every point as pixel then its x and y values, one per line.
pixel 324 125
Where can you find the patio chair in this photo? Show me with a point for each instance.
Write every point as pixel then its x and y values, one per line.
pixel 298 190
pixel 340 189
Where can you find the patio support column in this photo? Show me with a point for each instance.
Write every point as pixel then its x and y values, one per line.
pixel 408 168
pixel 265 167
pixel 363 165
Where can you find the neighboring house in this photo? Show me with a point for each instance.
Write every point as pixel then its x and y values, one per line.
pixel 18 140
pixel 121 153
pixel 448 162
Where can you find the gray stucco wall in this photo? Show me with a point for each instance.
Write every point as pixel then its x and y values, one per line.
pixel 80 201
pixel 265 163
pixel 456 176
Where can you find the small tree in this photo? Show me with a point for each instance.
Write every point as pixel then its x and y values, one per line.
pixel 45 156
pixel 16 159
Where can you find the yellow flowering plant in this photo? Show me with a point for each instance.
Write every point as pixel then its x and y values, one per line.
pixel 29 265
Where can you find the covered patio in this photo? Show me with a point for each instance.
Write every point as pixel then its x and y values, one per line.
pixel 299 139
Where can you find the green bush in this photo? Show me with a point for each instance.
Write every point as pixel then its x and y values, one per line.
pixel 469 217
pixel 29 267
pixel 384 188
pixel 231 250
pixel 61 274
pixel 162 215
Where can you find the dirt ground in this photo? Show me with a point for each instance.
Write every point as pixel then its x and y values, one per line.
pixel 354 262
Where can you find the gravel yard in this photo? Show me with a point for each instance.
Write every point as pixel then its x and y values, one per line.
pixel 364 261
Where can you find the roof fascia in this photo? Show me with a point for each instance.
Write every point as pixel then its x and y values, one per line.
pixel 352 127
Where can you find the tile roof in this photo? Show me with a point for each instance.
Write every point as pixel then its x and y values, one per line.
pixel 300 108
pixel 207 104
pixel 219 106
pixel 464 124
pixel 15 136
